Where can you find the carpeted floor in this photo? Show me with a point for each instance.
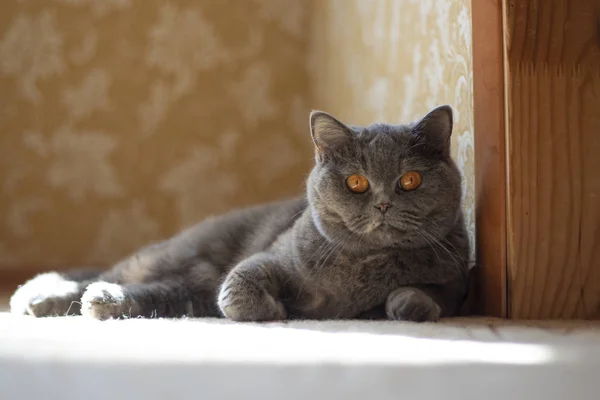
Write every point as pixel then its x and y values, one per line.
pixel 77 358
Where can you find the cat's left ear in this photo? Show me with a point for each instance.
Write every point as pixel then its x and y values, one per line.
pixel 434 129
pixel 328 134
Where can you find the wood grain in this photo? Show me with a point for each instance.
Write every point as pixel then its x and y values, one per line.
pixel 553 58
pixel 490 158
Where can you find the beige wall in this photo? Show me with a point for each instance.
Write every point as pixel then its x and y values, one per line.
pixel 122 121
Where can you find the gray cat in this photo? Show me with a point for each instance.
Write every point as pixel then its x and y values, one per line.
pixel 379 233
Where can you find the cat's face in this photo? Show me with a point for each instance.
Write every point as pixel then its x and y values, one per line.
pixel 385 185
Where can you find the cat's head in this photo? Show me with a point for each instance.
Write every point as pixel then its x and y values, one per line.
pixel 384 185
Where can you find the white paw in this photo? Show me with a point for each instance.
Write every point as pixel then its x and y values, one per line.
pixel 47 294
pixel 103 300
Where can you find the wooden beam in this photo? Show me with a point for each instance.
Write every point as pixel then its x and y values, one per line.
pixel 490 156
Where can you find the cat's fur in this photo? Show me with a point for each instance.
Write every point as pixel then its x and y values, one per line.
pixel 329 254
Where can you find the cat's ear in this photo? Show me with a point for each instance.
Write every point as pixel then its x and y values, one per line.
pixel 434 130
pixel 328 134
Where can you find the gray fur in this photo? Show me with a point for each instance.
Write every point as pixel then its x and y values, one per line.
pixel 328 254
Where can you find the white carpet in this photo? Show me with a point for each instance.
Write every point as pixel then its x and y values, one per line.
pixel 76 358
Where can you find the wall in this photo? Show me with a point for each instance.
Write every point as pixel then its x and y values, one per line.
pixel 122 121
pixel 393 60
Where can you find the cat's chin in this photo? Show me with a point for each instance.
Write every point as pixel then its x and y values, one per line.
pixel 382 224
pixel 385 234
pixel 386 226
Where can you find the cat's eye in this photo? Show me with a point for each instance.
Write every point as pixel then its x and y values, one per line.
pixel 410 180
pixel 357 183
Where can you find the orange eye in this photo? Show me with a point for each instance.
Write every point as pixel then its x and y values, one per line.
pixel 357 183
pixel 410 180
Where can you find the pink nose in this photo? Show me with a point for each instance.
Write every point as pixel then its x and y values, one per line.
pixel 383 207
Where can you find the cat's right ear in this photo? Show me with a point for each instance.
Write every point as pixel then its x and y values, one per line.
pixel 328 134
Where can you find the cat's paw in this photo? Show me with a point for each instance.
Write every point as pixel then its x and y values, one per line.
pixel 412 304
pixel 103 300
pixel 46 295
pixel 240 300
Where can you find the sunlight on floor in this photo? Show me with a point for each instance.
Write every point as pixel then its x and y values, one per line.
pixel 217 341
pixel 75 357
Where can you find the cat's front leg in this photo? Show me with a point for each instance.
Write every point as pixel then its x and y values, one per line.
pixel 409 303
pixel 251 290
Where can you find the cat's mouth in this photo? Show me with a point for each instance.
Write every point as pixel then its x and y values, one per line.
pixel 383 224
pixel 388 225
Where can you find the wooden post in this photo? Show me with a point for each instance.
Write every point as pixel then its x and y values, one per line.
pixel 490 158
pixel 553 158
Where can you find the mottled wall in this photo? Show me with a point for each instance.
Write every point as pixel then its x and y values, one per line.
pixel 393 60
pixel 121 121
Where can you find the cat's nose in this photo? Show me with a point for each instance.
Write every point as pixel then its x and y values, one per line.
pixel 383 207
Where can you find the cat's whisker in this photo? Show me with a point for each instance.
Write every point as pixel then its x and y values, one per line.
pixel 454 254
pixel 454 262
pixel 356 225
pixel 446 241
pixel 335 245
pixel 433 232
pixel 326 248
pixel 429 243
